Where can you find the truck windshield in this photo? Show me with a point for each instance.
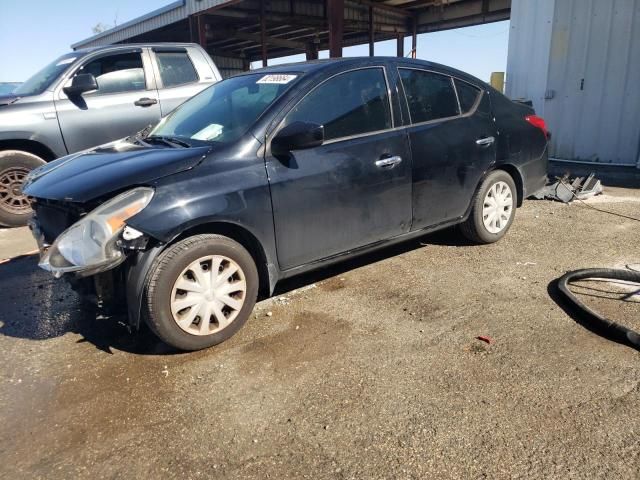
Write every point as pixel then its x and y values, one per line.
pixel 225 111
pixel 39 82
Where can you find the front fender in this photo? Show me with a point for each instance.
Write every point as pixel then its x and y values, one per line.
pixel 138 266
pixel 33 120
pixel 229 196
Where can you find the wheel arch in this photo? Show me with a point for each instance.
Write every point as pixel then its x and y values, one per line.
pixel 514 173
pixel 30 146
pixel 266 270
pixel 140 265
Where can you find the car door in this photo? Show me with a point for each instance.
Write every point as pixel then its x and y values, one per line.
pixel 354 189
pixel 452 136
pixel 178 79
pixel 125 102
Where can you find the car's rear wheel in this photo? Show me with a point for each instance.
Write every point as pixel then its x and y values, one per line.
pixel 15 165
pixel 200 291
pixel 493 209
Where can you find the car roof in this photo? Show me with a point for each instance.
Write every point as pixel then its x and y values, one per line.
pixel 352 62
pixel 135 45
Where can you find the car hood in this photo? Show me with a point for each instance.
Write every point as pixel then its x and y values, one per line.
pixel 93 173
pixel 8 99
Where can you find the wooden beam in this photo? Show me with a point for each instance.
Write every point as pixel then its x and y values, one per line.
pixel 335 16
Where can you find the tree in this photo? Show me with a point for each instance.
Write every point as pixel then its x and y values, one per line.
pixel 99 28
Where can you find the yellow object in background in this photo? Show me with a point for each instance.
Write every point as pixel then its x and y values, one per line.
pixel 497 81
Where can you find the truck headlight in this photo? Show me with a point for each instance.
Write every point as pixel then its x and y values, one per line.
pixel 90 243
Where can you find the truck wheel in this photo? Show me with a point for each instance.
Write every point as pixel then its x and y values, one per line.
pixel 15 210
pixel 493 209
pixel 200 291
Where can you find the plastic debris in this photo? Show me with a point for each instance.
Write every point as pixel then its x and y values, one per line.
pixel 565 190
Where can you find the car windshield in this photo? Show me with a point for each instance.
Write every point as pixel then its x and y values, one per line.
pixel 8 87
pixel 39 82
pixel 225 111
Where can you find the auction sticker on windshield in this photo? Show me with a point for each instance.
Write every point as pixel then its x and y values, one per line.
pixel 279 78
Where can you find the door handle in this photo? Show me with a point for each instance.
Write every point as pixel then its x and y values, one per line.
pixel 485 141
pixel 388 162
pixel 145 102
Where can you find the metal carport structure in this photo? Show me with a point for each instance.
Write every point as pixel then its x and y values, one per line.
pixel 238 32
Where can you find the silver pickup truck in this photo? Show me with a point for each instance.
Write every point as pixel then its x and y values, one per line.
pixel 89 97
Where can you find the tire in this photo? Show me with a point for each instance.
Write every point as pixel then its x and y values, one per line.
pixel 480 230
pixel 14 167
pixel 185 264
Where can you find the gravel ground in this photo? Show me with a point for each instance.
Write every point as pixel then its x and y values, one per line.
pixel 370 369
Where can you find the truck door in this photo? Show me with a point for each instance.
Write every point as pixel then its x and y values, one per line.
pixel 126 100
pixel 177 77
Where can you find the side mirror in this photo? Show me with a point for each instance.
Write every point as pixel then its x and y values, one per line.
pixel 85 82
pixel 297 136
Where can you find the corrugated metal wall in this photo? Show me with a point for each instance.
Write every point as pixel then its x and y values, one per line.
pixel 171 13
pixel 585 58
pixel 529 46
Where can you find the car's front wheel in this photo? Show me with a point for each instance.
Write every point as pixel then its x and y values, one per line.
pixel 493 209
pixel 15 165
pixel 200 291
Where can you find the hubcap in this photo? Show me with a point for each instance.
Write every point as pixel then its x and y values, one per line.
pixel 208 295
pixel 12 199
pixel 497 208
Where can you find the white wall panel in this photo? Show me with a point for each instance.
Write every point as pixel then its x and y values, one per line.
pixel 585 54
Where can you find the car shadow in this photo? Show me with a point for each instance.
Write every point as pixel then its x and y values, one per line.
pixel 450 237
pixel 35 306
pixel 583 319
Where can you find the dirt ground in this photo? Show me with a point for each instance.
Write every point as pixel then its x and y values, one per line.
pixel 370 369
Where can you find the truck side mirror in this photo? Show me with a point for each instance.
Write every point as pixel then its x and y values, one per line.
pixel 297 136
pixel 82 83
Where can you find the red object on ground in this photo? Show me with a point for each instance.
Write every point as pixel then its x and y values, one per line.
pixel 485 339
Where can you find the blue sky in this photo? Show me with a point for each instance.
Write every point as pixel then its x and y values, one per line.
pixel 35 32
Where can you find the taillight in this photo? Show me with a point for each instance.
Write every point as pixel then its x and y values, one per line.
pixel 537 121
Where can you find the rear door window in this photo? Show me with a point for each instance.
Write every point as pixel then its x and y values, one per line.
pixel 430 96
pixel 176 68
pixel 122 72
pixel 351 103
pixel 467 95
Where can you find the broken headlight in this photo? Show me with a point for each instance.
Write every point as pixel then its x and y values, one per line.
pixel 90 243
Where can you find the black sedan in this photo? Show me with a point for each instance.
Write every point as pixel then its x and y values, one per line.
pixel 276 172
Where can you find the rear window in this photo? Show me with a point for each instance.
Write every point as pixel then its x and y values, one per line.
pixel 175 68
pixel 467 94
pixel 430 96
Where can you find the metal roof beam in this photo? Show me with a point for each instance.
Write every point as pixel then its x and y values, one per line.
pixel 257 38
pixel 308 21
pixel 381 6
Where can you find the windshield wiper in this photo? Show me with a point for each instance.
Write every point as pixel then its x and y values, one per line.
pixel 171 141
pixel 138 137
